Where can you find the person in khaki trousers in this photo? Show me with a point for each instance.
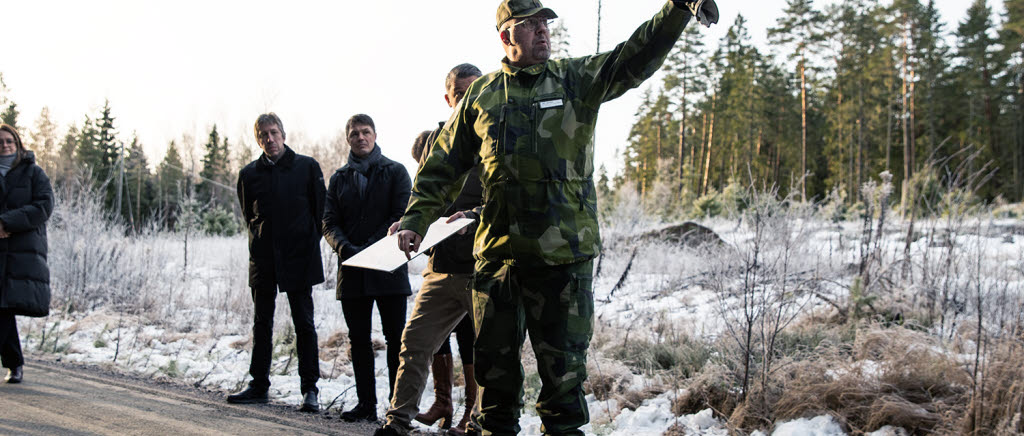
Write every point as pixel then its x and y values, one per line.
pixel 443 304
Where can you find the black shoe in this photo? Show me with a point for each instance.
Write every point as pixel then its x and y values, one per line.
pixel 387 430
pixel 14 375
pixel 310 402
pixel 250 395
pixel 362 412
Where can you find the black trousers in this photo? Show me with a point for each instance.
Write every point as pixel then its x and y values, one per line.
pixel 10 344
pixel 301 303
pixel 358 317
pixel 465 335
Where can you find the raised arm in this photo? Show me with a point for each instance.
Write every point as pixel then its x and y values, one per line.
pixel 611 74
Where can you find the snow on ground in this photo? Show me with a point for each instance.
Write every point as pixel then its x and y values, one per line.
pixel 195 323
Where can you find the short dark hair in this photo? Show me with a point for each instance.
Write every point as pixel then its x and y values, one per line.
pixel 461 71
pixel 361 119
pixel 420 144
pixel 268 118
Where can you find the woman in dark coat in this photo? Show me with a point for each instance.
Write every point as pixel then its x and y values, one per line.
pixel 26 200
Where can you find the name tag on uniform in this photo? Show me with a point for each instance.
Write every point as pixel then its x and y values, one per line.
pixel 548 104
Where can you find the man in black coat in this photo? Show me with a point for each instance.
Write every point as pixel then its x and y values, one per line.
pixel 282 199
pixel 364 197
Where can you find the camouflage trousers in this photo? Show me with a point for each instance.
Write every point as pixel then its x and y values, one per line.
pixel 555 306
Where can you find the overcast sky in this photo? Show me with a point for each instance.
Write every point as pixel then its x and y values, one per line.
pixel 174 68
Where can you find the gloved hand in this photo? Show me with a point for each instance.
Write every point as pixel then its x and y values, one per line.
pixel 706 11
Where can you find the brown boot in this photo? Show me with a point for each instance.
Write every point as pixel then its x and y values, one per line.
pixel 471 390
pixel 442 407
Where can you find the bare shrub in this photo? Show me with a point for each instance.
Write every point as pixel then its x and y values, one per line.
pixel 762 283
pixel 92 261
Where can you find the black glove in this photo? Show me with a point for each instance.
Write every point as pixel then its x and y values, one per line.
pixel 706 11
pixel 349 250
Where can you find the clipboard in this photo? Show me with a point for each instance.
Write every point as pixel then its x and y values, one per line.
pixel 384 254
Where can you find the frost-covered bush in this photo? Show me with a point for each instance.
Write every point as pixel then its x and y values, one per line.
pixel 708 205
pixel 93 260
pixel 834 208
pixel 734 198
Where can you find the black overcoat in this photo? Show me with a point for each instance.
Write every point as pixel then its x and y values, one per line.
pixel 282 204
pixel 26 201
pixel 353 222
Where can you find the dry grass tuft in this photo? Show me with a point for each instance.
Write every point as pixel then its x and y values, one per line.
pixel 709 389
pixel 335 347
pixel 337 339
pixel 242 344
pixel 634 398
pixel 676 430
pixel 894 378
pixel 1000 410
pixel 606 378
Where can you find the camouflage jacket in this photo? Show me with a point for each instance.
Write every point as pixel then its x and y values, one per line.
pixel 532 130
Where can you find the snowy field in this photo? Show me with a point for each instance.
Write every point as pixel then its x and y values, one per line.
pixel 134 304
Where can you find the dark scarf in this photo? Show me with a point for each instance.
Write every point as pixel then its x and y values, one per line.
pixel 363 164
pixel 362 167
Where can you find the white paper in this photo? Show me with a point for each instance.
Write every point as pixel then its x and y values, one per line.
pixel 384 254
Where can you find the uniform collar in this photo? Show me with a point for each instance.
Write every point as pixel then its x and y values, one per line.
pixel 532 70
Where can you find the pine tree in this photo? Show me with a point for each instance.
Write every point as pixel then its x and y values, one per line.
pixel 687 74
pixel 170 184
pixel 216 170
pixel 1012 38
pixel 68 156
pixel 933 88
pixel 99 153
pixel 9 115
pixel 975 77
pixel 43 141
pixel 140 198
pixel 799 28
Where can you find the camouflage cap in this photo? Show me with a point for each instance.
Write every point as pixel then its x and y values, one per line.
pixel 509 9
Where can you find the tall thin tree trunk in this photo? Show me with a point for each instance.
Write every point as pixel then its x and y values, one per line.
pixel 905 120
pixel 803 130
pixel 698 165
pixel 138 198
pixel 1017 183
pixel 682 133
pixel 711 136
pixel 658 155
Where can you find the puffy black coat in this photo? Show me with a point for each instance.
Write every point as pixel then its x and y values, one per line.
pixel 353 222
pixel 26 201
pixel 455 254
pixel 282 205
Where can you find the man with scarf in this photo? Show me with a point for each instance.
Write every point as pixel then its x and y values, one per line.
pixel 364 197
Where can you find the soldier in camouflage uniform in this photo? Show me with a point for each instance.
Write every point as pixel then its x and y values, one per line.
pixel 531 126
